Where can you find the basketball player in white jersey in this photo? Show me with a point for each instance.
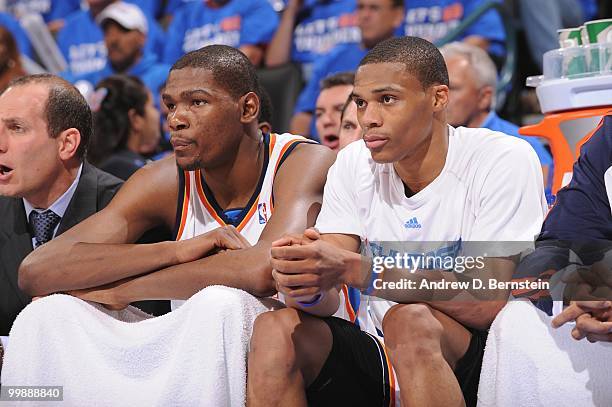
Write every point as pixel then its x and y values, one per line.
pixel 413 178
pixel 228 186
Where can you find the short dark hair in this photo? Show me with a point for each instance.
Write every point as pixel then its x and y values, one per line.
pixel 337 79
pixel 266 110
pixel 231 69
pixel 65 108
pixel 112 126
pixel 421 58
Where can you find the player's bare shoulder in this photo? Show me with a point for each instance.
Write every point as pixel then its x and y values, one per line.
pixel 308 159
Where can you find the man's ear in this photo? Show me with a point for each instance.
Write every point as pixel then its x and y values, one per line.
pixel 440 97
pixel 487 93
pixel 68 142
pixel 250 107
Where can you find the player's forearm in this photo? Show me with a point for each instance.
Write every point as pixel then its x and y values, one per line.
pixel 85 265
pixel 246 269
pixel 279 50
pixel 254 52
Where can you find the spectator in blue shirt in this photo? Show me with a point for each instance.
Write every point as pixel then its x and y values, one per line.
pixel 377 20
pixel 309 29
pixel 125 31
pixel 22 39
pixel 52 11
pixel 81 41
pixel 246 25
pixel 473 82
pixel 433 19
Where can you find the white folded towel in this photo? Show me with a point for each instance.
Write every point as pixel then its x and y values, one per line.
pixel 194 356
pixel 529 363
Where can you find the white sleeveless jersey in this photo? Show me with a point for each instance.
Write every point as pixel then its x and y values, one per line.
pixel 200 212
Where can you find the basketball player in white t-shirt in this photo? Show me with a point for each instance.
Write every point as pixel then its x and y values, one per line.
pixel 412 179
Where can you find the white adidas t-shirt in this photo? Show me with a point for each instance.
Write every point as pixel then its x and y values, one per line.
pixel 490 189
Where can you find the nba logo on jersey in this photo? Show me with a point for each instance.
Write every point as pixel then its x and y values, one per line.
pixel 263 214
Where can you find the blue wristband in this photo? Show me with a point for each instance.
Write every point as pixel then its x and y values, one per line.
pixel 317 299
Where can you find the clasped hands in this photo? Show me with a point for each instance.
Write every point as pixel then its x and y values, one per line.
pixel 304 266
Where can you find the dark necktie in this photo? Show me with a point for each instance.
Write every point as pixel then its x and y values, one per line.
pixel 43 224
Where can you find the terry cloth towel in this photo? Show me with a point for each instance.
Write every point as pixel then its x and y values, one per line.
pixel 194 356
pixel 528 363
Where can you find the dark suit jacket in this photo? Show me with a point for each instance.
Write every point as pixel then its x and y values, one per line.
pixel 94 191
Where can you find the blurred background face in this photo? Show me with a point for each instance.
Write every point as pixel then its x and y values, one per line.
pixel 327 114
pixel 151 132
pixel 349 128
pixel 466 96
pixel 377 20
pixel 124 46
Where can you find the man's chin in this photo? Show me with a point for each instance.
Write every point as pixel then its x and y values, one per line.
pixel 188 164
pixel 381 157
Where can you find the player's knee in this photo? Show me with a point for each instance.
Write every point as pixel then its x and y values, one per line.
pixel 273 336
pixel 412 327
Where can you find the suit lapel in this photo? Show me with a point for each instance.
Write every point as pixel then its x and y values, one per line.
pixel 17 246
pixel 84 201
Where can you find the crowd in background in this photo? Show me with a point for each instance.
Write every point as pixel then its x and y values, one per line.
pixel 89 42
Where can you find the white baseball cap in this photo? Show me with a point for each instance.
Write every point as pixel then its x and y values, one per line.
pixel 127 15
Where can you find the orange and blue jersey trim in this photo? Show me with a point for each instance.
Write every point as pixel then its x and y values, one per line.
pixel 352 299
pixel 245 217
pixel 183 203
pixel 284 153
pixel 213 208
pixel 204 199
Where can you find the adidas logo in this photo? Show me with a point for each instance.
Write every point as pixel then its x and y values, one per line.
pixel 412 224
